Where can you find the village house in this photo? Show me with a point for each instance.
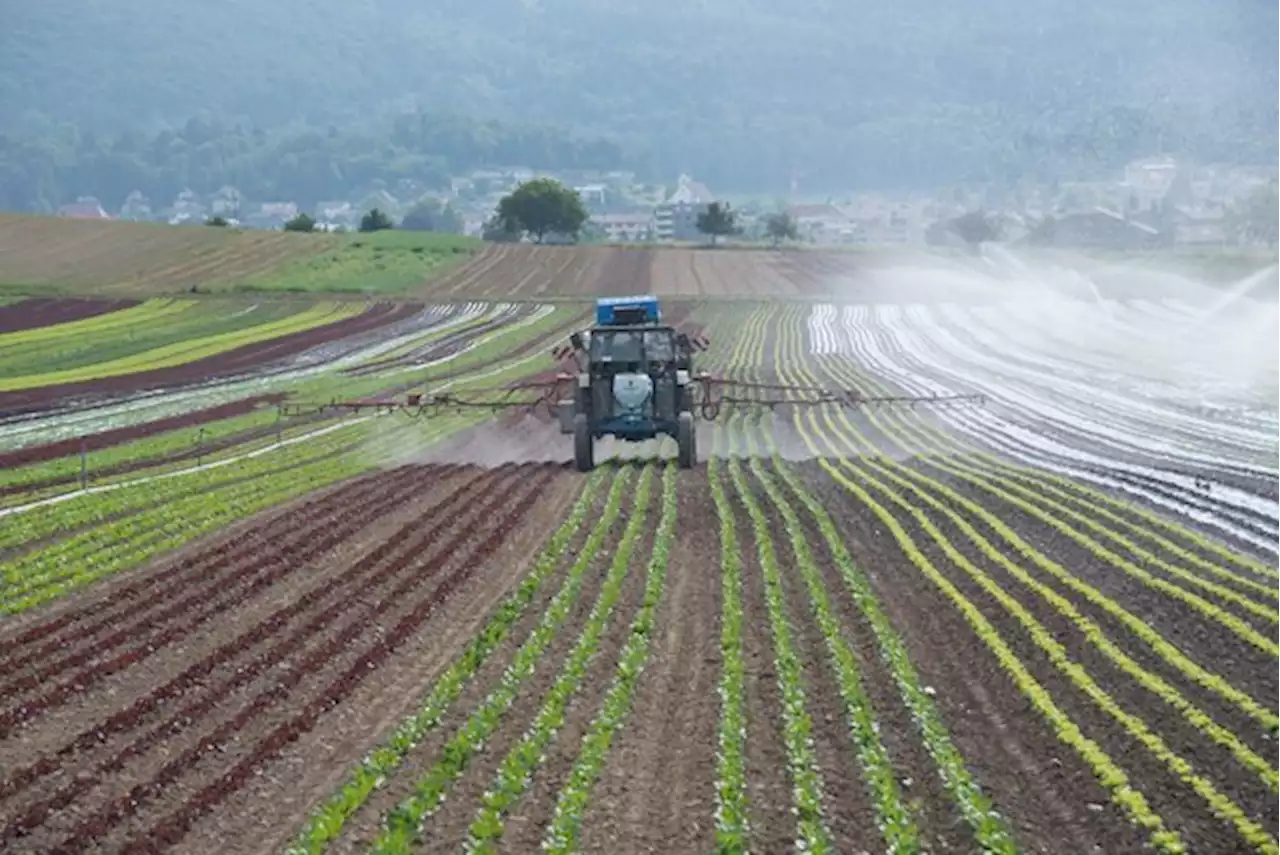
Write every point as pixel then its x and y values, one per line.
pixel 225 203
pixel 625 228
pixel 186 208
pixel 84 208
pixel 1103 228
pixel 136 207
pixel 677 217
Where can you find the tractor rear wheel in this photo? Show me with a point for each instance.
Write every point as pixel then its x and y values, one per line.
pixel 686 441
pixel 583 444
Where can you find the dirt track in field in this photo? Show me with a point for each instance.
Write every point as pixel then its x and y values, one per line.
pixel 152 700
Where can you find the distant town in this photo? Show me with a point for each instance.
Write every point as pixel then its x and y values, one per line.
pixel 1153 202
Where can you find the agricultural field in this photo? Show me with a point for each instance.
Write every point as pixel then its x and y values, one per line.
pixel 136 260
pixel 1040 620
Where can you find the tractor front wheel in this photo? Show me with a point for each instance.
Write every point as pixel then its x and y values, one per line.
pixel 583 444
pixel 686 441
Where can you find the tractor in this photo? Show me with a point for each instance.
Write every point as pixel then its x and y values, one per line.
pixel 633 381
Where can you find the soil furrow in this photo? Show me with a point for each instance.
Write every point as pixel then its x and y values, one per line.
pixel 1039 784
pixel 461 553
pixel 213 570
pixel 656 792
pixel 361 829
pixel 219 673
pixel 769 788
pixel 261 573
pixel 527 820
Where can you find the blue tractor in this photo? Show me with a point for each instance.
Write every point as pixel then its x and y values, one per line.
pixel 633 381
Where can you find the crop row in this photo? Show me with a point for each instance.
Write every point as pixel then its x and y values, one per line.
pixel 873 471
pixel 154 453
pixel 445 557
pixel 116 534
pixel 116 526
pixel 182 321
pixel 186 350
pixel 401 823
pixel 893 817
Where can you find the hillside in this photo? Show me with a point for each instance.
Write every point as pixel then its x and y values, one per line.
pixel 744 92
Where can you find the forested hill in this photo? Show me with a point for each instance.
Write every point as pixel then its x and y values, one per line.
pixel 743 92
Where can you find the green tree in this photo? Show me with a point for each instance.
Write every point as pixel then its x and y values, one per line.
pixel 375 221
pixel 496 230
pixel 216 221
pixel 302 223
pixel 781 226
pixel 422 217
pixel 974 228
pixel 718 220
pixel 1261 215
pixel 541 207
pixel 430 216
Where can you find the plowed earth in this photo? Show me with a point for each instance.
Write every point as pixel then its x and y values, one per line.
pixel 46 311
pixel 135 710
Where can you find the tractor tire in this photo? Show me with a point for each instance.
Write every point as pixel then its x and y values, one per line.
pixel 686 441
pixel 583 444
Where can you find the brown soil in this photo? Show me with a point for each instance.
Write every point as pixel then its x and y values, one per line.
pixel 1041 785
pixel 47 311
pixel 136 770
pixel 528 817
pixel 656 792
pixel 462 797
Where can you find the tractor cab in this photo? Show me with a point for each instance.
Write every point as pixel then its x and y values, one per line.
pixel 633 384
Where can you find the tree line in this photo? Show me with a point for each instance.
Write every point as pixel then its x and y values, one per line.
pixel 53 164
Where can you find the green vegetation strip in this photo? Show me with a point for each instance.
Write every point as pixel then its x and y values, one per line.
pixel 91 508
pixel 90 555
pixel 991 832
pixel 326 823
pixel 892 815
pixel 562 833
pixel 153 447
pixel 732 827
pixel 990 829
pixel 517 768
pixel 198 321
pixel 797 725
pixel 1142 630
pixel 372 262
pixel 186 351
pixel 401 824
pixel 103 325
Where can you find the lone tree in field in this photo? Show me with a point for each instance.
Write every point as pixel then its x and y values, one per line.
pixel 541 207
pixel 719 220
pixel 780 226
pixel 375 221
